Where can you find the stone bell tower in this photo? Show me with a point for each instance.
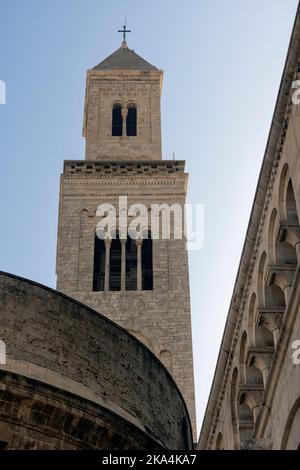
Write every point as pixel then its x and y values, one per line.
pixel 142 285
pixel 128 87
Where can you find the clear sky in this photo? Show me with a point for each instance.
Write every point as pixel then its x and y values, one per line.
pixel 223 61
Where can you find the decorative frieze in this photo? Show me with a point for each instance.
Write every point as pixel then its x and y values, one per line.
pixel 122 168
pixel 271 318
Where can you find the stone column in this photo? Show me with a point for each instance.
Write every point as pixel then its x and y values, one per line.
pixel 276 334
pixel 272 320
pixel 123 263
pixel 124 117
pixel 107 243
pixel 255 412
pixel 139 243
pixel 286 292
pixel 265 374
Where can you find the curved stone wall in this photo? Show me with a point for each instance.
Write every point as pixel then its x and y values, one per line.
pixel 74 379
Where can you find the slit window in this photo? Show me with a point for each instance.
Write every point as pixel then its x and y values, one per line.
pixel 131 120
pixel 115 264
pixel 131 264
pixel 99 264
pixel 117 120
pixel 147 264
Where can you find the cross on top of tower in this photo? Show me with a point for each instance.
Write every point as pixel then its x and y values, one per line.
pixel 124 31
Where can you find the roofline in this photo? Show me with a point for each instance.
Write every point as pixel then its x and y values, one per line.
pixel 129 162
pixel 143 66
pixel 253 225
pixel 122 70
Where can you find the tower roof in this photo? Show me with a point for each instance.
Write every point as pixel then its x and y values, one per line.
pixel 124 59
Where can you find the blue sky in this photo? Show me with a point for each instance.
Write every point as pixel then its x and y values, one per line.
pixel 223 61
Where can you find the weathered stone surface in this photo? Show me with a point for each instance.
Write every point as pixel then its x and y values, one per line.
pixel 106 87
pixel 74 379
pixel 130 166
pixel 263 324
pixel 161 317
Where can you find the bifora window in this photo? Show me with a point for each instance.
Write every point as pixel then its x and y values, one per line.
pixel 131 120
pixel 117 120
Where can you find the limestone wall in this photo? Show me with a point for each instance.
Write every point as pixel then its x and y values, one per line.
pixel 71 373
pixel 104 89
pixel 255 397
pixel 161 317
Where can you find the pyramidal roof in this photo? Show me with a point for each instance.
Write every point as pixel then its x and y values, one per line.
pixel 124 59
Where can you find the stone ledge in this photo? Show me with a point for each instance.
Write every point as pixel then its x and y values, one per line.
pixel 122 168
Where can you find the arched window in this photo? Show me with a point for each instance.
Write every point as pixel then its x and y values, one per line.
pixel 251 318
pixel 115 264
pixel 233 407
pixel 117 120
pixel 242 358
pixel 246 421
pixel 263 337
pixel 260 279
pixel 131 264
pixel 274 296
pixel 291 208
pixel 280 250
pixel 111 276
pixel 99 264
pixel 254 376
pixel 131 120
pixel 147 263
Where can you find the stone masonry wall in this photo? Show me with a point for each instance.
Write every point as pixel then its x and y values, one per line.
pixel 104 88
pixel 160 318
pixel 77 352
pixel 255 398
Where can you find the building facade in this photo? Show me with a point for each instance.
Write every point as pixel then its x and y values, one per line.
pixel 254 401
pixel 140 283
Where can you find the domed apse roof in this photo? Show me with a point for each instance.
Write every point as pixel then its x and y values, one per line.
pixel 100 382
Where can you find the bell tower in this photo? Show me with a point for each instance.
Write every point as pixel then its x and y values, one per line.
pixel 141 284
pixel 122 108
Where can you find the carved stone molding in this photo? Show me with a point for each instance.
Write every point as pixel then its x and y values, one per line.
pixel 263 353
pixel 281 275
pixel 270 318
pixel 121 168
pixel 254 390
pixel 289 231
pixel 273 156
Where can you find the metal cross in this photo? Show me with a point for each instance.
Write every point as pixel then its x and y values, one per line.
pixel 124 31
